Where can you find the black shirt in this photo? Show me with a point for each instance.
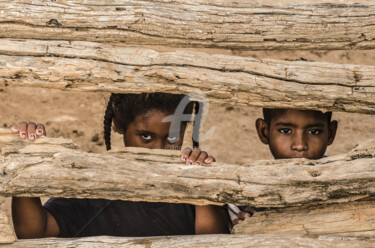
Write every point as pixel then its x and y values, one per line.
pixel 93 217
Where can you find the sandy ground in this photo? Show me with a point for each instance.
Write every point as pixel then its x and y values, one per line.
pixel 79 116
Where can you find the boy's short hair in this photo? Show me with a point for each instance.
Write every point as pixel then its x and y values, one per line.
pixel 269 114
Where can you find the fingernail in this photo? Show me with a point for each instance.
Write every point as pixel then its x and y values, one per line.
pixel 23 134
pixel 247 215
pixel 206 160
pixel 32 136
pixel 40 132
pixel 198 163
pixel 184 158
pixel 190 162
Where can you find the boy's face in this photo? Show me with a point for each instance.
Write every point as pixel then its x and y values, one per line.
pixel 297 134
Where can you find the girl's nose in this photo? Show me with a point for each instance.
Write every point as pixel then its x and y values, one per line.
pixel 299 143
pixel 158 144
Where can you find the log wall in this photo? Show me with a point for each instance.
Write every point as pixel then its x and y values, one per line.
pixel 87 45
pixel 92 66
pixel 231 24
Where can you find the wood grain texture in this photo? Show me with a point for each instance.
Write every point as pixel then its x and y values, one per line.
pixel 352 219
pixel 197 241
pixel 233 24
pixel 49 167
pixel 237 80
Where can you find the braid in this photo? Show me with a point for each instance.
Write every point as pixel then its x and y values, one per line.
pixel 109 114
pixel 197 124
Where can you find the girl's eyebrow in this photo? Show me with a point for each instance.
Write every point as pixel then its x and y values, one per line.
pixel 140 131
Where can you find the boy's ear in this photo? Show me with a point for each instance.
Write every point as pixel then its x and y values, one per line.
pixel 262 130
pixel 332 131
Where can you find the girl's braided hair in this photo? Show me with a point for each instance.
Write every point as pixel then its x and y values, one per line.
pixel 122 109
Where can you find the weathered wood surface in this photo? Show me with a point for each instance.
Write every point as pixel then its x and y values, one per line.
pixel 269 83
pixel 233 24
pixel 352 219
pixel 6 230
pixel 48 167
pixel 198 241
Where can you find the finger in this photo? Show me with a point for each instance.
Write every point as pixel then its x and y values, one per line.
pixel 209 160
pixel 23 129
pixel 201 158
pixel 250 210
pixel 40 130
pixel 31 130
pixel 186 153
pixel 243 215
pixel 193 156
pixel 236 222
pixel 15 128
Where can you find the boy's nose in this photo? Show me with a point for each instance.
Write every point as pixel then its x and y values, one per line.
pixel 299 143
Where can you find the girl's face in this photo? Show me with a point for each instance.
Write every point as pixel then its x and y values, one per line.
pixel 148 131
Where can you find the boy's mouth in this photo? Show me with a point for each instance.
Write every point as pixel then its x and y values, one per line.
pixel 301 155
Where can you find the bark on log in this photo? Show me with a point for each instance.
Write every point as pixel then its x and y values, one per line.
pixel 197 241
pixel 48 167
pixel 353 219
pixel 231 24
pixel 269 83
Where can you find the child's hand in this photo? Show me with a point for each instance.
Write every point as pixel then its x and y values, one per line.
pixel 196 156
pixel 242 215
pixel 30 130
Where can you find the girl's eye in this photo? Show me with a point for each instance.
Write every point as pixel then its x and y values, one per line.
pixel 172 139
pixel 146 136
pixel 314 131
pixel 285 130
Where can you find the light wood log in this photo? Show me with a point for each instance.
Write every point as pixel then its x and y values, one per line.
pixel 231 24
pixel 49 168
pixel 197 241
pixel 353 219
pixel 269 83
pixel 6 230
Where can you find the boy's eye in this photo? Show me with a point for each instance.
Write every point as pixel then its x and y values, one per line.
pixel 146 136
pixel 285 130
pixel 314 131
pixel 172 139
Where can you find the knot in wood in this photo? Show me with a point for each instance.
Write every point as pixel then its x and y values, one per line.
pixel 54 23
pixel 315 173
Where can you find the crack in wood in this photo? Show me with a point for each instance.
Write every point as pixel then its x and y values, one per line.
pixel 357 77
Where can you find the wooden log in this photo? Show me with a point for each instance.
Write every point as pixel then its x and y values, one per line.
pixel 198 241
pixel 268 83
pixel 352 219
pixel 48 168
pixel 6 230
pixel 231 24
